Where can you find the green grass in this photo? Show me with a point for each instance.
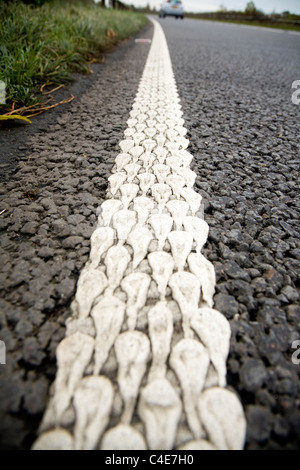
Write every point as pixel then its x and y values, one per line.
pixel 46 44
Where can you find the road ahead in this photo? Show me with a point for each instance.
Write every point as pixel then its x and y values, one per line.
pixel 235 89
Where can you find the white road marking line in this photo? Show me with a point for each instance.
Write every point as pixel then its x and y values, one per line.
pixel 143 341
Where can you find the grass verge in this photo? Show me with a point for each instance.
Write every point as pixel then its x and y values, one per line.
pixel 42 46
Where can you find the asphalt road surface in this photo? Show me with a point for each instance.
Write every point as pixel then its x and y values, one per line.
pixel 235 85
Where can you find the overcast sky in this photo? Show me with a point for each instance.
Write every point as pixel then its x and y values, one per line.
pixel 267 6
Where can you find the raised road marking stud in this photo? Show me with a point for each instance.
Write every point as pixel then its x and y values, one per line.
pixel 142 41
pixel 143 364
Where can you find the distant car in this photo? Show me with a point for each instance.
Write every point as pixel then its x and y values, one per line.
pixel 172 8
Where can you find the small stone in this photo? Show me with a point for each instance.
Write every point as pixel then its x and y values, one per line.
pixel 288 228
pixel 233 366
pixel 11 392
pixel 35 316
pixel 259 423
pixel 23 328
pixel 46 252
pixel 48 204
pixel 4 223
pixel 274 278
pixel 225 251
pixel 234 271
pixel 257 247
pixel 290 293
pixel 46 332
pixel 281 426
pixel 35 207
pixel 75 219
pixel 293 313
pixel 32 353
pixel 235 236
pixel 269 302
pixel 269 347
pixel 61 228
pixel 12 432
pixel 29 253
pixel 248 301
pixel 264 316
pixel 294 419
pixel 282 247
pixel 265 237
pixel 87 231
pixel 253 375
pixel 276 314
pixel 3 322
pixel 219 270
pixel 259 284
pixel 295 253
pixel 286 404
pixel 11 312
pixel 263 397
pixel 226 304
pixel 65 289
pixel 30 228
pixel 20 273
pixel 285 387
pixel 35 396
pixel 284 372
pixel 238 287
pixel 254 272
pixel 72 242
